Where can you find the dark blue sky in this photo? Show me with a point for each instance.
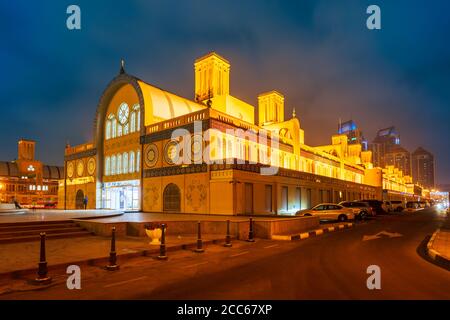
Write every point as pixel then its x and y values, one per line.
pixel 318 53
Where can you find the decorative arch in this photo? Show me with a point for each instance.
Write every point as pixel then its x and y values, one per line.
pixel 79 199
pixel 100 116
pixel 171 198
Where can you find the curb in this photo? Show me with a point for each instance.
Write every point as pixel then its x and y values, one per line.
pixel 314 233
pixel 103 261
pixel 435 255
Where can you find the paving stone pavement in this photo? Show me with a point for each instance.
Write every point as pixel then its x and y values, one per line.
pixel 25 255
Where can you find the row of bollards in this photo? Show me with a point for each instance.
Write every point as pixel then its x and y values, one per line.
pixel 42 274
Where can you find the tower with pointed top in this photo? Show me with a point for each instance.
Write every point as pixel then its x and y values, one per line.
pixel 122 66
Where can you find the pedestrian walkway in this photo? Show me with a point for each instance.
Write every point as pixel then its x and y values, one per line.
pixel 162 216
pixel 53 215
pixel 441 243
pixel 19 256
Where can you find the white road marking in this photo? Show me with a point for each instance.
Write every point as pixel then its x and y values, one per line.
pixel 380 234
pixel 271 246
pixel 239 254
pixel 124 282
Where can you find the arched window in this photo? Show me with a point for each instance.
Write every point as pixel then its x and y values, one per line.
pixel 133 122
pixel 113 165
pixel 114 127
pixel 125 162
pixel 108 130
pixel 107 166
pixel 119 164
pixel 126 129
pixel 137 109
pixel 119 130
pixel 131 168
pixel 138 160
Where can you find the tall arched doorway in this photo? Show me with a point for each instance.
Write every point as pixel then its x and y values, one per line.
pixel 172 198
pixel 79 200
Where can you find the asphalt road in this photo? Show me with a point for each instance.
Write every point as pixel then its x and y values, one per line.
pixel 331 266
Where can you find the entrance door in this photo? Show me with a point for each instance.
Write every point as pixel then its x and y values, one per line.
pixel 79 200
pixel 172 198
pixel 248 198
pixel 122 198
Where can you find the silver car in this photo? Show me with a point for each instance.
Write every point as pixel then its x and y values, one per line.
pixel 328 211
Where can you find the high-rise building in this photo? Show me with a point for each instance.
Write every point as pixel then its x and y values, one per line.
pixel 386 140
pixel 423 167
pixel 400 158
pixel 353 133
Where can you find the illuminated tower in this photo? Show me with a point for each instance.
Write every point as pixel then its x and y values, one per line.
pixel 270 108
pixel 212 77
pixel 26 149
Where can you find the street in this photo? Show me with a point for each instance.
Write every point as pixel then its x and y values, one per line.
pixel 330 266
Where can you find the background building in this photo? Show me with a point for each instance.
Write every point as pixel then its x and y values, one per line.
pixel 28 180
pixel 400 158
pixel 385 140
pixel 423 168
pixel 353 133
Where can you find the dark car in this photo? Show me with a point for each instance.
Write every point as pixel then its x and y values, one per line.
pixel 359 208
pixel 377 206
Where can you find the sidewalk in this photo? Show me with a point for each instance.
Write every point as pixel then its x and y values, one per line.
pixel 18 257
pixel 54 215
pixel 442 243
pixel 438 247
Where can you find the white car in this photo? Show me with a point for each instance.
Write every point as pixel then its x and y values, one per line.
pixel 328 211
pixel 397 205
pixel 413 206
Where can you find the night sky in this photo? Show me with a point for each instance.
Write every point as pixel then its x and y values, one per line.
pixel 318 53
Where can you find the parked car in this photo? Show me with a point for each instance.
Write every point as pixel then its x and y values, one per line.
pixel 328 211
pixel 377 206
pixel 412 206
pixel 397 205
pixel 359 208
pixel 387 206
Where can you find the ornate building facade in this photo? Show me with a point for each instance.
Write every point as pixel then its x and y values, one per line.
pixel 27 180
pixel 158 152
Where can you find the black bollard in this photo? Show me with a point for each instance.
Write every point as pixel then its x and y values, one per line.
pixel 112 266
pixel 250 232
pixel 162 247
pixel 228 237
pixel 42 277
pixel 199 248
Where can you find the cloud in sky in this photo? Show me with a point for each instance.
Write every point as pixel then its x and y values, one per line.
pixel 318 53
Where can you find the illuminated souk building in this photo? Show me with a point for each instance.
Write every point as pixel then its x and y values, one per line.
pixel 27 180
pixel 133 162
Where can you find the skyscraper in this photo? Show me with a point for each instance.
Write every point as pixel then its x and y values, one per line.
pixel 353 133
pixel 386 140
pixel 423 167
pixel 400 158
